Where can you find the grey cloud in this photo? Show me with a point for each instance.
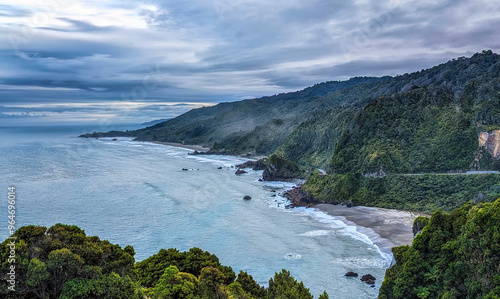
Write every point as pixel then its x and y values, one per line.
pixel 204 51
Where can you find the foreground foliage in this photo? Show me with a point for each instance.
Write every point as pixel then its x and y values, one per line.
pixel 63 262
pixel 457 255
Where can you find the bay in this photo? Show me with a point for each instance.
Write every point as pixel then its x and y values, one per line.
pixel 136 193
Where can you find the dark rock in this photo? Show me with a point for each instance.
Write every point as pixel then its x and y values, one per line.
pixel 247 197
pixel 185 169
pixel 114 139
pixel 368 277
pixel 220 167
pixel 349 204
pixel 197 153
pixel 299 198
pixel 255 165
pixel 240 171
pixel 278 169
pixel 369 281
pixel 274 195
pixel 260 180
pixel 351 274
pixel 336 202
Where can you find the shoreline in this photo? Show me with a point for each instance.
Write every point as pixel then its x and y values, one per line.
pixel 187 146
pixel 386 228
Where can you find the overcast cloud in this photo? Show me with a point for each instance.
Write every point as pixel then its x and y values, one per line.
pixel 85 60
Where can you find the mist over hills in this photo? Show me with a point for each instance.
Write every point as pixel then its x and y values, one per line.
pixel 426 121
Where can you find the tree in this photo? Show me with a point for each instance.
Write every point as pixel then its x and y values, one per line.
pixel 174 284
pixel 324 296
pixel 284 286
pixel 62 265
pixel 211 280
pixel 107 286
pixel 250 286
pixel 37 277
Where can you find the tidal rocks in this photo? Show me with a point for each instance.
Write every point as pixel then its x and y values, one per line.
pixel 247 197
pixel 351 274
pixel 299 198
pixel 185 169
pixel 198 153
pixel 369 279
pixel 349 204
pixel 255 165
pixel 240 171
pixel 220 167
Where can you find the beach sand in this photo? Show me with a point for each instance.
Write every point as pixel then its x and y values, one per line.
pixel 385 227
pixel 188 146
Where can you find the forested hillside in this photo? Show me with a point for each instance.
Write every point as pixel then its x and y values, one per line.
pixel 456 255
pixel 427 121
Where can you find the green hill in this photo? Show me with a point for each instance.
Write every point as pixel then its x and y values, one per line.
pixel 456 255
pixel 427 121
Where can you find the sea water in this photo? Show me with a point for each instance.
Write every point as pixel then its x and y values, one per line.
pixel 137 193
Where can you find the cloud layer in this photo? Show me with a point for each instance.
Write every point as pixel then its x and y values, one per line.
pixel 73 51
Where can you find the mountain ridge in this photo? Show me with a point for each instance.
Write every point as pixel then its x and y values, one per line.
pixel 425 121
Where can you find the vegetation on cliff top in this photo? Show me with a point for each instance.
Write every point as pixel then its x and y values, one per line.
pixel 63 262
pixel 456 255
pixel 424 193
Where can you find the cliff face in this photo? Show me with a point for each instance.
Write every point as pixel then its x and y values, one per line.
pixel 491 141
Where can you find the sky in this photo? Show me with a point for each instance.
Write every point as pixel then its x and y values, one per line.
pixel 79 62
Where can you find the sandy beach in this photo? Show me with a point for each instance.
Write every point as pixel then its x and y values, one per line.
pixel 188 146
pixel 386 228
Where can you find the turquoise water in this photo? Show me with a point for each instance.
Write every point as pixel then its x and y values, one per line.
pixel 136 193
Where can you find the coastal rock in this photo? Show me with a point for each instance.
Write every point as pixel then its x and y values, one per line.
pixel 368 278
pixel 114 139
pixel 247 197
pixel 220 167
pixel 349 204
pixel 278 169
pixel 185 169
pixel 351 274
pixel 299 198
pixel 240 171
pixel 255 165
pixel 197 153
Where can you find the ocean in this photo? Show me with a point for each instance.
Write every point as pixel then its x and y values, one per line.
pixel 136 193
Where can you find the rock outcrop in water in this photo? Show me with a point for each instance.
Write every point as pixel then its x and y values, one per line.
pixel 299 198
pixel 240 171
pixel 255 165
